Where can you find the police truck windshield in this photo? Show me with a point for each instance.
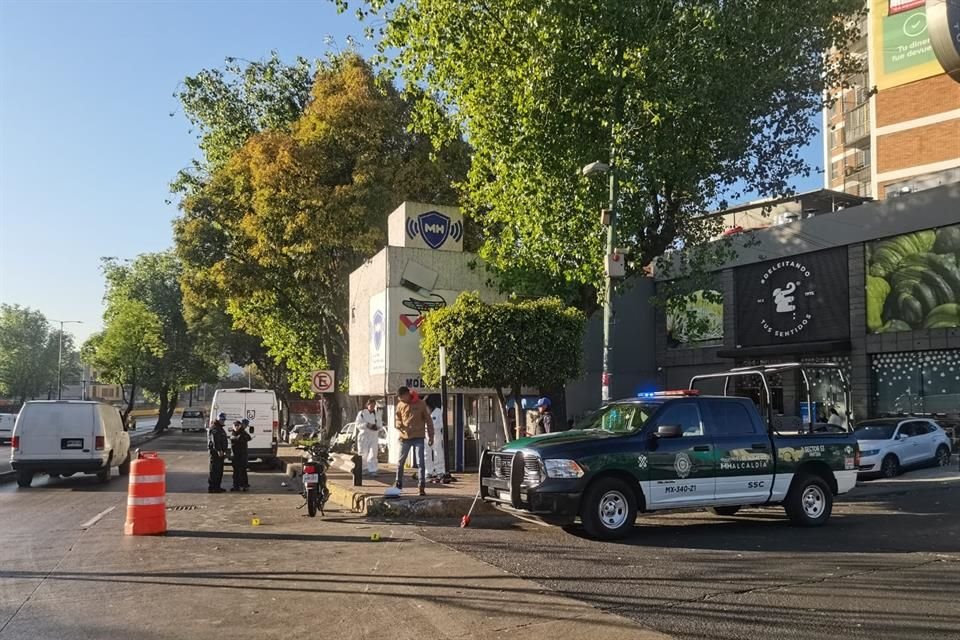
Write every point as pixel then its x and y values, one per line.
pixel 620 417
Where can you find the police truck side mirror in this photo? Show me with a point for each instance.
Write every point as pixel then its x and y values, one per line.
pixel 669 431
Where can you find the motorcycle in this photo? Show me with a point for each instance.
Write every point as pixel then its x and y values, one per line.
pixel 315 467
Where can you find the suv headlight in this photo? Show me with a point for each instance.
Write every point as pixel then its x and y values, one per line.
pixel 562 469
pixel 870 452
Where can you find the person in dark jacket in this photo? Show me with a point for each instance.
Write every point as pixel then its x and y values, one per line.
pixel 238 442
pixel 544 422
pixel 217 445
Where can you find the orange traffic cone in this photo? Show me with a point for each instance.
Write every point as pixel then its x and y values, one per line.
pixel 147 497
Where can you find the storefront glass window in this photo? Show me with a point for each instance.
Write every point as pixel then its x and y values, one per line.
pixel 916 382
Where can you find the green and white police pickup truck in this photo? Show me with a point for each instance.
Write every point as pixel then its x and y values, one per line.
pixel 672 450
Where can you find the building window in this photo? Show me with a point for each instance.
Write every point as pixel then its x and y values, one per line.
pixel 916 382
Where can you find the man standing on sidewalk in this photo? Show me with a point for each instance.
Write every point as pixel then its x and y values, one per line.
pixel 217 445
pixel 368 435
pixel 413 422
pixel 544 422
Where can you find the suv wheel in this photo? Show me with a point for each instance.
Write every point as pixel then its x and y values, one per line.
pixel 809 502
pixel 943 456
pixel 24 478
pixel 609 509
pixel 890 467
pixel 724 511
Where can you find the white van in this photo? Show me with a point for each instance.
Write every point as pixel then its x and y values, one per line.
pixel 64 437
pixel 261 408
pixel 7 421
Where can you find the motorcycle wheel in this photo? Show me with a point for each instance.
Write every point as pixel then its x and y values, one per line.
pixel 311 502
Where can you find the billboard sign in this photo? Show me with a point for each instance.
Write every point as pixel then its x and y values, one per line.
pixel 793 299
pixel 902 52
pixel 913 281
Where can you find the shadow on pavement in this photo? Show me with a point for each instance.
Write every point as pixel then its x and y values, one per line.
pixel 266 535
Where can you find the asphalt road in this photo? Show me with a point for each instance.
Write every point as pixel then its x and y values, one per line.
pixel 67 572
pixel 887 565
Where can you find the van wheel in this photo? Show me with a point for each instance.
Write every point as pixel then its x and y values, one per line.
pixel 609 509
pixel 724 511
pixel 125 466
pixel 24 478
pixel 103 477
pixel 809 502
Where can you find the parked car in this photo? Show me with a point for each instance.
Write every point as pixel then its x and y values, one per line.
pixel 345 440
pixel 889 445
pixel 7 421
pixel 193 420
pixel 64 437
pixel 300 432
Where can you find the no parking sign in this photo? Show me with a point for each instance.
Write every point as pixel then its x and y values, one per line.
pixel 322 381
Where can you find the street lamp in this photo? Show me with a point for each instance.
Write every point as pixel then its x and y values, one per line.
pixel 611 261
pixel 60 356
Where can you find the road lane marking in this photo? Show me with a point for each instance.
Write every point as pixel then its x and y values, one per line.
pixel 95 519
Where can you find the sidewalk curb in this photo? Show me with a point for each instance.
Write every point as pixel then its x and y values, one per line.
pixel 408 507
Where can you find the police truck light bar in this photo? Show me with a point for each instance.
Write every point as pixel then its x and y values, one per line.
pixel 669 394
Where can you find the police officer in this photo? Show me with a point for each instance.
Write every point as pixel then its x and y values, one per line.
pixel 238 441
pixel 544 423
pixel 217 445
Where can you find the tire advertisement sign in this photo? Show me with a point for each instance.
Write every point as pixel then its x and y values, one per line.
pixel 793 300
pixel 913 281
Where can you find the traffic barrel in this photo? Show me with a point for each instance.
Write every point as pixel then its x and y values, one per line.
pixel 147 497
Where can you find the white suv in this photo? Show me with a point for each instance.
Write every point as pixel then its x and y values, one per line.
pixel 888 445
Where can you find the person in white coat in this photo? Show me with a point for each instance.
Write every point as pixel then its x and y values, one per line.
pixel 436 467
pixel 369 424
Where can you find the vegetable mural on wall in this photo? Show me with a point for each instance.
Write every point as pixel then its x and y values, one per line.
pixel 913 281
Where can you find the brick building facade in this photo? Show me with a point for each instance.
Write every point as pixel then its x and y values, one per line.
pixel 897 128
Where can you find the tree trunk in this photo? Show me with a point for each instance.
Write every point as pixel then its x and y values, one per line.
pixel 518 409
pixel 168 404
pixel 502 402
pixel 128 400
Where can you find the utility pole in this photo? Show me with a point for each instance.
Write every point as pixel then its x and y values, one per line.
pixel 613 266
pixel 60 357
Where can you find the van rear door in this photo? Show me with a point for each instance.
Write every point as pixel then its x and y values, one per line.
pixel 56 431
pixel 261 411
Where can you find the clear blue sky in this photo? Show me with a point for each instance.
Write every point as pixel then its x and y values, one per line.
pixel 87 145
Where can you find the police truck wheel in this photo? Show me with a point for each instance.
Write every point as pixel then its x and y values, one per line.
pixel 809 502
pixel 724 511
pixel 609 509
pixel 311 502
pixel 24 478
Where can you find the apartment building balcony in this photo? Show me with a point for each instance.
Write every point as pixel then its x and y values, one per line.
pixel 856 125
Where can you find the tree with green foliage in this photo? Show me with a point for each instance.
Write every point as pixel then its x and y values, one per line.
pixel 505 346
pixel 276 229
pixel 124 352
pixel 29 348
pixel 692 104
pixel 184 360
